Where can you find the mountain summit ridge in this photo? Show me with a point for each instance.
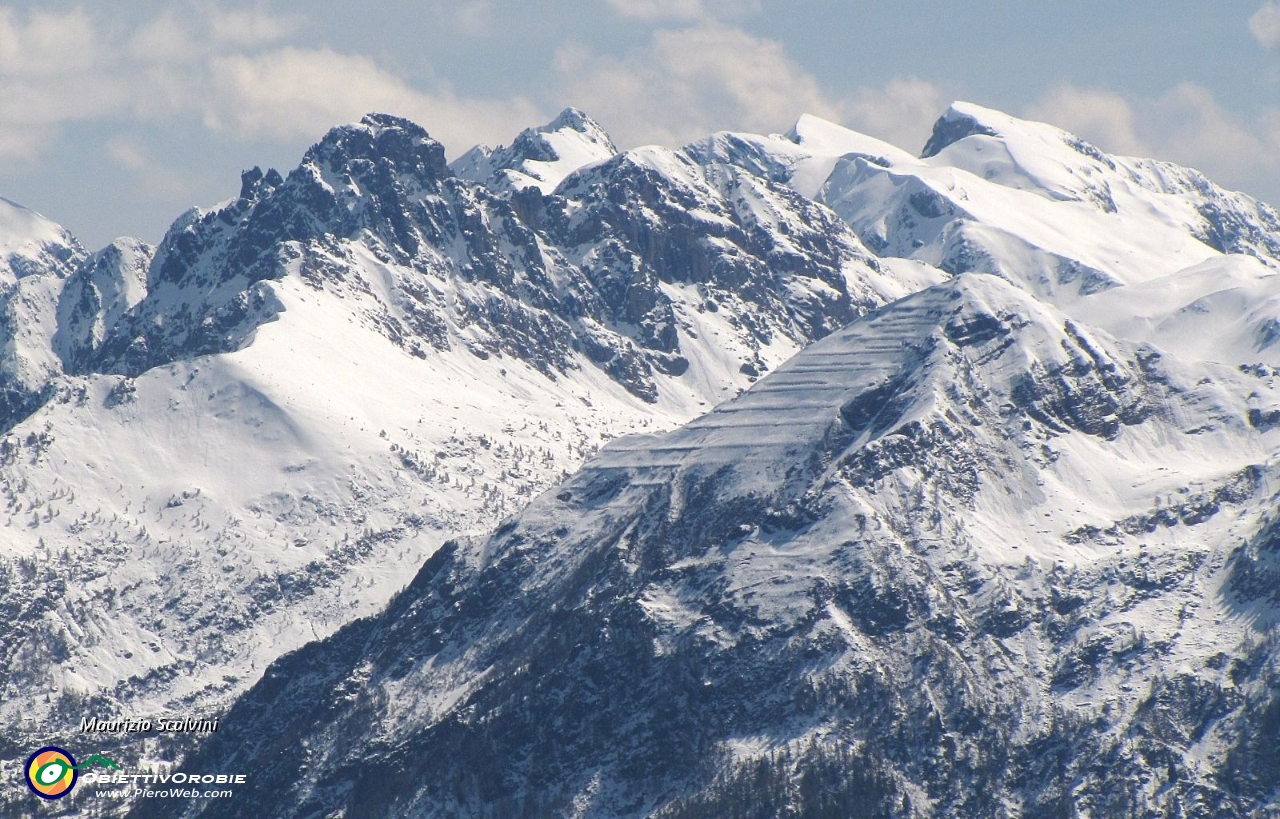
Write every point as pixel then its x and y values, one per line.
pixel 830 565
pixel 539 157
pixel 255 432
pixel 1006 427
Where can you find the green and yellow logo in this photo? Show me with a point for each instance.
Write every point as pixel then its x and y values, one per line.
pixel 52 772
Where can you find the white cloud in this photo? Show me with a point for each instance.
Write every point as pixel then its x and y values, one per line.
pixel 685 83
pixel 242 28
pixel 49 75
pixel 151 176
pixel 227 68
pixel 658 9
pixel 1185 124
pixel 127 152
pixel 164 39
pixel 474 17
pixel 1197 127
pixel 901 113
pixel 464 18
pixel 1265 24
pixel 42 43
pixel 751 78
pixel 238 71
pixel 1270 122
pixel 1096 114
pixel 197 34
pixel 290 92
pixel 682 10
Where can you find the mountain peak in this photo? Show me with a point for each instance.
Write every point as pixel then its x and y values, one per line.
pixel 382 137
pixel 254 182
pixel 539 157
pixel 822 137
pixel 809 128
pixel 386 122
pixel 28 241
pixel 960 520
pixel 932 481
pixel 576 120
pixel 960 120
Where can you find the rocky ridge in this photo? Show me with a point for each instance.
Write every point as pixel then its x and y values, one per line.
pixel 251 435
pixel 910 573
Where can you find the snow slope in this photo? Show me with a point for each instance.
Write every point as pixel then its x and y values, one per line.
pixel 1048 482
pixel 36 256
pixel 965 522
pixel 539 157
pixel 257 431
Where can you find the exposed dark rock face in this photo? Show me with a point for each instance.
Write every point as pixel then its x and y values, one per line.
pixel 732 622
pixel 32 272
pixel 964 556
pixel 950 129
pixel 536 277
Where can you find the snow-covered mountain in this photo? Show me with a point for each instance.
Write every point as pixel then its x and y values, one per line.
pixel 252 434
pixel 964 557
pixel 539 157
pixel 36 255
pixel 101 292
pixel 1018 494
pixel 1104 237
pixel 452 265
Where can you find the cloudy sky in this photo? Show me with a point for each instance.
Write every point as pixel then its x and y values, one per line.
pixel 116 117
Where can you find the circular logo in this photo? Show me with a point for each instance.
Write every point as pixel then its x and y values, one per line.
pixel 51 773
